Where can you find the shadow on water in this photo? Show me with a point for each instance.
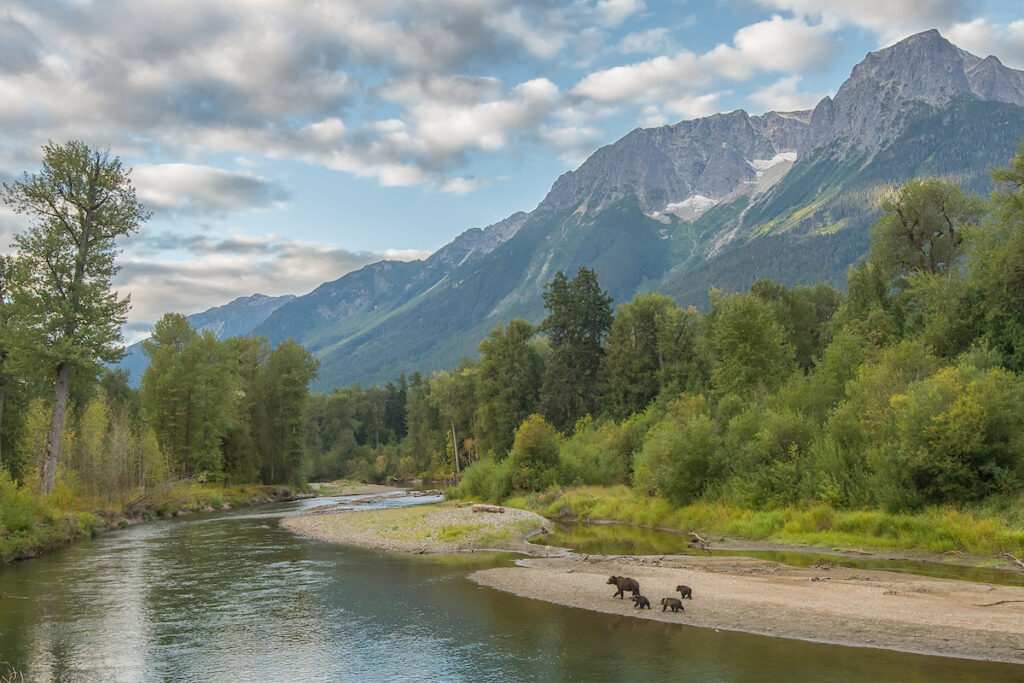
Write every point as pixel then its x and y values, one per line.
pixel 232 596
pixel 623 539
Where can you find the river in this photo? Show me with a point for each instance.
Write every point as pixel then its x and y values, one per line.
pixel 233 597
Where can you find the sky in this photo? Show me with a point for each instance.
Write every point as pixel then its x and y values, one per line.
pixel 282 144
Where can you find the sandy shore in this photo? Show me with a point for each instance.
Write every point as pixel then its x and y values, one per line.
pixel 438 528
pixel 843 606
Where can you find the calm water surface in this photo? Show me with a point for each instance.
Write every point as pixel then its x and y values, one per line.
pixel 232 597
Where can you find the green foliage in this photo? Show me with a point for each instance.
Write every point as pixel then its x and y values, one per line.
pixel 652 348
pixel 681 454
pixel 956 436
pixel 579 316
pixel 534 455
pixel 750 353
pixel 487 479
pixel 80 202
pixel 601 453
pixel 995 252
pixel 508 386
pixel 921 229
pixel 769 449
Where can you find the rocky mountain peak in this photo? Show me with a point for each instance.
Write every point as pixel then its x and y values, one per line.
pixel 690 165
pixel 892 84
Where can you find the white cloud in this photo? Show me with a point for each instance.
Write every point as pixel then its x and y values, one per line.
pixel 783 95
pixel 678 82
pixel 460 186
pixel 654 41
pixel 195 188
pixel 611 13
pixel 695 106
pixel 983 38
pixel 443 128
pixel 539 41
pixel 890 20
pixel 647 80
pixel 774 45
pixel 653 117
pixel 406 254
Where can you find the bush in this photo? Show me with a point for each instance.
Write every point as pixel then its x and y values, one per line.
pixel 601 455
pixel 488 479
pixel 679 458
pixel 534 455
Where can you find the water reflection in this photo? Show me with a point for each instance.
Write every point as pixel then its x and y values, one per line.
pixel 231 596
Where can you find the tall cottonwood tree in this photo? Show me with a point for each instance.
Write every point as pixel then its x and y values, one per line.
pixel 80 202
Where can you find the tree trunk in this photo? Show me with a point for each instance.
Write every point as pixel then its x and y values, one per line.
pixel 53 437
pixel 455 445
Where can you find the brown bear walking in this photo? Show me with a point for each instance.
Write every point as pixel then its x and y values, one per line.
pixel 675 603
pixel 624 583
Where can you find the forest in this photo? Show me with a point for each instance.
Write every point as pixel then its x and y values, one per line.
pixel 903 394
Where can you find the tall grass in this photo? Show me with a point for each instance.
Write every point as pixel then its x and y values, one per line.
pixel 31 523
pixel 980 531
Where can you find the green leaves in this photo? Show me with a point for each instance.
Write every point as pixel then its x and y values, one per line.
pixel 579 315
pixel 80 202
pixel 508 384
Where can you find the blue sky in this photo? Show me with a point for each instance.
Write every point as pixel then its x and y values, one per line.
pixel 280 145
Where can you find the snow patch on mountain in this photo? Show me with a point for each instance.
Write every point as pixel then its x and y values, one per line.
pixel 762 165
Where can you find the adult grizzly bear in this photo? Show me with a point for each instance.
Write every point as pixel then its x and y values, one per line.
pixel 624 583
pixel 685 592
pixel 675 603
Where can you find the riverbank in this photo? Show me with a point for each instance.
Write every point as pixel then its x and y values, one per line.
pixel 824 603
pixel 440 528
pixel 31 525
pixel 981 537
pixel 863 608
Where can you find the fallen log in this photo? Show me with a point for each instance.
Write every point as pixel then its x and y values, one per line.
pixel 483 507
pixel 1016 560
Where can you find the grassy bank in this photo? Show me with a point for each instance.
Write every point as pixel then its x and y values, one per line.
pixel 31 524
pixel 983 532
pixel 420 529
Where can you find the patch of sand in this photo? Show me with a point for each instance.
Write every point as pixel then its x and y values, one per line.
pixel 843 606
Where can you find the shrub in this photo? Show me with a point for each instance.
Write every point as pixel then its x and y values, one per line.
pixel 534 455
pixel 487 479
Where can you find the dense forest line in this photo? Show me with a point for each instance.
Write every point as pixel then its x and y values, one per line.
pixel 903 393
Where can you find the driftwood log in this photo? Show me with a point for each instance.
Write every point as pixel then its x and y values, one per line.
pixel 699 542
pixel 1015 560
pixel 483 507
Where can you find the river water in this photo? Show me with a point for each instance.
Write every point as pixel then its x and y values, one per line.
pixel 233 597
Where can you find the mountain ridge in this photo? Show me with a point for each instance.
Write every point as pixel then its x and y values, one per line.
pixel 719 200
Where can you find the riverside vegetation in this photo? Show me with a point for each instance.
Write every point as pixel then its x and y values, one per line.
pixel 890 416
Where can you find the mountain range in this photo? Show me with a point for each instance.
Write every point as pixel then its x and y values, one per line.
pixel 717 201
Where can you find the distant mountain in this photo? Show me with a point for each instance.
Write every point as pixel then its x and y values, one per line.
pixel 230 320
pixel 717 201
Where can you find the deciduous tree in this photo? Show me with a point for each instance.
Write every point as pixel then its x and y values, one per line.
pixel 80 202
